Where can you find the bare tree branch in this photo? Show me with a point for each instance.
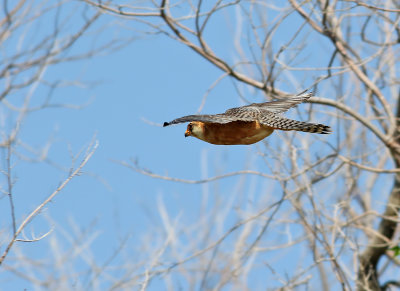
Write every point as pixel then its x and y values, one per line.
pixel 36 211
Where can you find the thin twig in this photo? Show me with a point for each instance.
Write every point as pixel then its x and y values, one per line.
pixel 48 199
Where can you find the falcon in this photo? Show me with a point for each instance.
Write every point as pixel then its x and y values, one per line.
pixel 248 124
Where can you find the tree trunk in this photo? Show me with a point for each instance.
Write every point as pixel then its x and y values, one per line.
pixel 367 273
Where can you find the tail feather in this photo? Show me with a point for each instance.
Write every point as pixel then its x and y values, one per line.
pixel 289 124
pixel 316 128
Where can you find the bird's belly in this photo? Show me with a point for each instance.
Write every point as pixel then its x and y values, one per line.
pixel 237 132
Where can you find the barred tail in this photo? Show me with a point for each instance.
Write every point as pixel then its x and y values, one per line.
pixel 289 124
pixel 315 128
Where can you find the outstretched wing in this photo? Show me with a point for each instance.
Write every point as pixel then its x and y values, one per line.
pixel 252 112
pixel 259 109
pixel 216 118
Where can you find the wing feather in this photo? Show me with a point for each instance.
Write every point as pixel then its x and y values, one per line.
pixel 277 107
pixel 256 111
pixel 215 118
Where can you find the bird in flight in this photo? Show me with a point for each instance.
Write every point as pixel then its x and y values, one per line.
pixel 248 124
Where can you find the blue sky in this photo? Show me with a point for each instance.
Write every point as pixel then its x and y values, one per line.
pixel 131 92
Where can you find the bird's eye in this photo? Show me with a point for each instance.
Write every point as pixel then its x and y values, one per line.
pixel 190 127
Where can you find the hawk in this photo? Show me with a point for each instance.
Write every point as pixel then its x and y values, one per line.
pixel 248 124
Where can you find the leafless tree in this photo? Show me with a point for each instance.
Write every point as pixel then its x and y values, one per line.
pixel 340 197
pixel 329 214
pixel 35 37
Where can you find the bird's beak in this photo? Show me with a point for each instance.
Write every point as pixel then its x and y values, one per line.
pixel 187 133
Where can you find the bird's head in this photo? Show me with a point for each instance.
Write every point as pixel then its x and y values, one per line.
pixel 194 129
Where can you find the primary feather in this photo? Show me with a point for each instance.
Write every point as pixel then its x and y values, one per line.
pixel 252 112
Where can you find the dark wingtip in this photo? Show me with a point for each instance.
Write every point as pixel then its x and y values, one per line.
pixel 165 124
pixel 326 130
